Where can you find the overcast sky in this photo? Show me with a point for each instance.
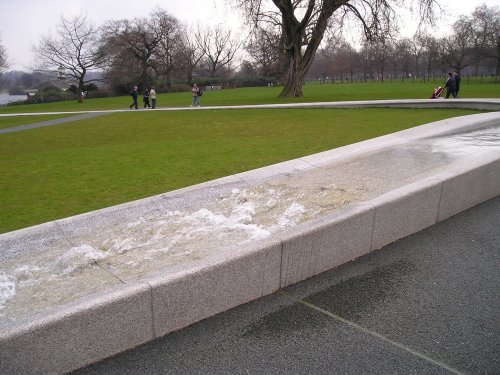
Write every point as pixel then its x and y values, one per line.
pixel 23 21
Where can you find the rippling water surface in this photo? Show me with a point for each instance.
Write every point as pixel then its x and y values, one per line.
pixel 128 250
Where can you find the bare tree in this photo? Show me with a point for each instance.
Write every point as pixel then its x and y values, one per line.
pixel 337 60
pixel 485 26
pixel 218 46
pixel 263 47
pixel 431 54
pixel 166 57
pixel 404 54
pixel 247 69
pixel 321 67
pixel 132 44
pixel 302 25
pixel 190 55
pixel 417 47
pixel 346 60
pixel 383 51
pixel 3 57
pixel 367 60
pixel 458 48
pixel 75 50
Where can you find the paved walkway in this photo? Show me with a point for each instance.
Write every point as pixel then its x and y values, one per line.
pixel 479 104
pixel 42 124
pixel 427 304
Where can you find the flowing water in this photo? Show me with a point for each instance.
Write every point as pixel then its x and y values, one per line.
pixel 153 241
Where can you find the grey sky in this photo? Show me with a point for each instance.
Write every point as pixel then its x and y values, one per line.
pixel 23 21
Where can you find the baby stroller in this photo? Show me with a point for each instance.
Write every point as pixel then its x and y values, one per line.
pixel 437 93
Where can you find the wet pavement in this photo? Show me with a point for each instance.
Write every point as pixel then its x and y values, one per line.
pixel 426 304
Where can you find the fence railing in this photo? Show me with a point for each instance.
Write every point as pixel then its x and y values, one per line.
pixel 481 79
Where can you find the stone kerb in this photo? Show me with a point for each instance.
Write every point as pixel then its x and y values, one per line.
pixel 36 238
pixel 475 182
pixel 479 104
pixel 326 243
pixel 109 322
pixel 195 291
pixel 87 331
pixel 405 211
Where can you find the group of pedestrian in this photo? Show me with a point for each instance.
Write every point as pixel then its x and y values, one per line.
pixel 452 84
pixel 151 94
pixel 148 94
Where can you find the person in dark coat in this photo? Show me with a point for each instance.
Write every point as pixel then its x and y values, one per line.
pixel 133 93
pixel 451 86
pixel 145 99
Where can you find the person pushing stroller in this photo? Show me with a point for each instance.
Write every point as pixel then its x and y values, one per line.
pixel 451 86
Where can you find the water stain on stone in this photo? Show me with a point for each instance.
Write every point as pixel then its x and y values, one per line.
pixel 349 299
pixel 285 323
pixel 362 294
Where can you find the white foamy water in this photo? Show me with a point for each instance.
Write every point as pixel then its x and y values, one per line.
pixel 158 239
pixel 292 215
pixel 79 257
pixel 240 219
pixel 7 288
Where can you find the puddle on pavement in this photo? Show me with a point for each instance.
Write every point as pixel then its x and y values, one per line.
pixel 152 242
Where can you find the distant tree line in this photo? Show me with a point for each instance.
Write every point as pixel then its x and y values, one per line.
pixel 306 33
pixel 472 48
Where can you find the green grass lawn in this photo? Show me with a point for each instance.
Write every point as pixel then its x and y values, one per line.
pixel 11 121
pixel 269 95
pixel 62 170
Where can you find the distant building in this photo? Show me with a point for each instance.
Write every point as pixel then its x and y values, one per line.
pixel 30 95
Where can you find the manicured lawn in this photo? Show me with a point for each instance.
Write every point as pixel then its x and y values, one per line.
pixel 66 169
pixel 268 95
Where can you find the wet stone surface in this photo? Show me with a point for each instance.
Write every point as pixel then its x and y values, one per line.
pixel 130 247
pixel 426 304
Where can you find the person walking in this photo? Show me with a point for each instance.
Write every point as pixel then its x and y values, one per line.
pixel 451 86
pixel 195 92
pixel 133 93
pixel 152 95
pixel 457 83
pixel 145 98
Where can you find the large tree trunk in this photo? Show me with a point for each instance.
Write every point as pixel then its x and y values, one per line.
pixel 294 37
pixel 293 75
pixel 497 73
pixel 80 88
